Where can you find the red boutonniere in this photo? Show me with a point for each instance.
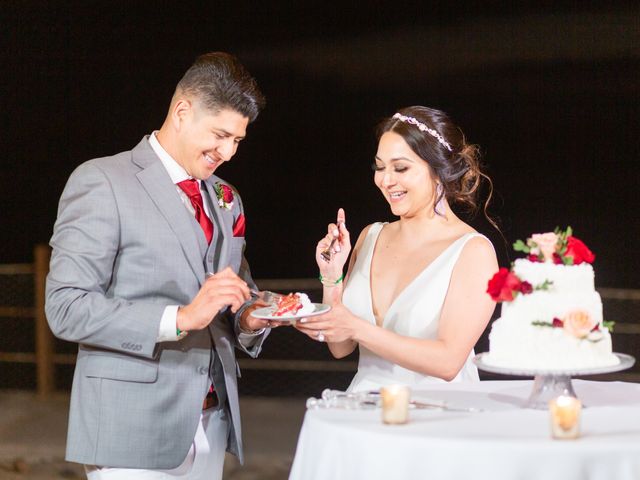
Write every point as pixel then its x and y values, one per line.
pixel 239 226
pixel 224 193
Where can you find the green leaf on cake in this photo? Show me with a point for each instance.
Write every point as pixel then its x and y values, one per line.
pixel 520 246
pixel 609 325
pixel 540 323
pixel 544 285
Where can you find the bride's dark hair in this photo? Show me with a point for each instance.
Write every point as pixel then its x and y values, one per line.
pixel 441 144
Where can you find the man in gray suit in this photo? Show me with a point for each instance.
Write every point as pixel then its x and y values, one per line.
pixel 148 276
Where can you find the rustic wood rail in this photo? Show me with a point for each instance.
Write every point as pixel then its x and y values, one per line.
pixel 45 357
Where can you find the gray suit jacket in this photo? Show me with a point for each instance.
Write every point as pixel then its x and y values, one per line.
pixel 125 247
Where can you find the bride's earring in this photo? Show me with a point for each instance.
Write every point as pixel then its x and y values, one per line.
pixel 440 207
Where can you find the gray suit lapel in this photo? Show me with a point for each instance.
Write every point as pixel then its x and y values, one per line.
pixel 222 329
pixel 156 181
pixel 224 219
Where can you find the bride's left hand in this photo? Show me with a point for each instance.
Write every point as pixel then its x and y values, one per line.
pixel 337 325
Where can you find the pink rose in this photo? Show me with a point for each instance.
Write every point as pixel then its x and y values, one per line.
pixel 578 323
pixel 547 243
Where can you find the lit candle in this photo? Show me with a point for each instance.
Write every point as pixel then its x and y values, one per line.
pixel 395 403
pixel 565 417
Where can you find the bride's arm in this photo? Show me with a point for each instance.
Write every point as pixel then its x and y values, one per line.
pixel 465 314
pixel 333 296
pixel 332 292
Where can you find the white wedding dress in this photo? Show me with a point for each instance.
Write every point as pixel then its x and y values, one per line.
pixel 414 313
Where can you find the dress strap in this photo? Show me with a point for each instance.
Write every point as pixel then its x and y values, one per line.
pixel 371 239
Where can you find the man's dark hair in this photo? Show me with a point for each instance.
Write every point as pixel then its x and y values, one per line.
pixel 219 81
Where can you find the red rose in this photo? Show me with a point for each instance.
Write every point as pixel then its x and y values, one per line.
pixel 557 323
pixel 578 251
pixel 525 288
pixel 533 258
pixel 502 285
pixel 557 259
pixel 227 193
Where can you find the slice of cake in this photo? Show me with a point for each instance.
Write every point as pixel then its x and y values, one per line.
pixel 293 304
pixel 551 317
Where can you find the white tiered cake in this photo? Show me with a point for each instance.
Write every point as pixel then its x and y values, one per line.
pixel 551 314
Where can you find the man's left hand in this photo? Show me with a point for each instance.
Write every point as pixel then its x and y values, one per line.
pixel 250 323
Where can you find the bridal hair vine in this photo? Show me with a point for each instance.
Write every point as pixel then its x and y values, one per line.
pixel 423 128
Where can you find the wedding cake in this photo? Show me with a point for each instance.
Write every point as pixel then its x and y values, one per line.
pixel 551 316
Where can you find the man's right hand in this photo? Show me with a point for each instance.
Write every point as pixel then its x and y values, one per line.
pixel 223 289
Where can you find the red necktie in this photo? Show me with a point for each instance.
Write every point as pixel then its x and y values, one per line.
pixel 192 189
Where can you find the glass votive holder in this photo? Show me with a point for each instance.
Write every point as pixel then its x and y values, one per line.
pixel 395 404
pixel 564 412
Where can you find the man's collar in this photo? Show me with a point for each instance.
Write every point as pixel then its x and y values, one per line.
pixel 174 169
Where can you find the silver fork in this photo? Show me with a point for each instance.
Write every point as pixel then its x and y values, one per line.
pixel 266 296
pixel 444 406
pixel 326 253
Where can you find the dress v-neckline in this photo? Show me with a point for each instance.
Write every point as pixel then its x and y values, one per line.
pixel 406 287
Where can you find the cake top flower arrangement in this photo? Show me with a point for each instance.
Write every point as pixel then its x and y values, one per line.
pixel 559 247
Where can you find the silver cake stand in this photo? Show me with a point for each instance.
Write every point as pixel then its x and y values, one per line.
pixel 548 383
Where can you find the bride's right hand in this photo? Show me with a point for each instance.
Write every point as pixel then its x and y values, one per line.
pixel 333 269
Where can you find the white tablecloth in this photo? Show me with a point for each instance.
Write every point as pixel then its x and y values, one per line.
pixel 504 441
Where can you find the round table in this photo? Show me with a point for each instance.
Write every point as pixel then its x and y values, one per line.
pixel 502 441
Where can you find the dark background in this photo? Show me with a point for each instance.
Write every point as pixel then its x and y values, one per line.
pixel 549 90
pixel 550 93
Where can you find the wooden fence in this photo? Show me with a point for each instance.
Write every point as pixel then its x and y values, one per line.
pixel 45 357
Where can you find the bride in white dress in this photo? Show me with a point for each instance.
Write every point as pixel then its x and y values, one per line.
pixel 414 299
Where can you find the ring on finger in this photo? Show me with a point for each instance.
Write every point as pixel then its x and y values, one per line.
pixel 320 336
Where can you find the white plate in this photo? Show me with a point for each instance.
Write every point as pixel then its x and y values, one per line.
pixel 266 313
